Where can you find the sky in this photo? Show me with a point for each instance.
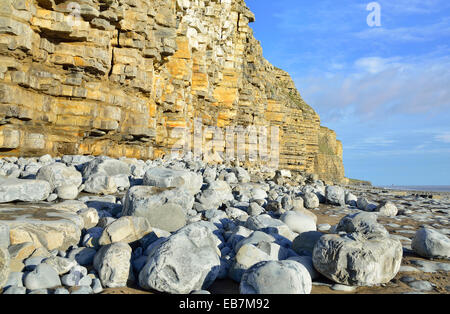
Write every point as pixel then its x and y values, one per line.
pixel 384 87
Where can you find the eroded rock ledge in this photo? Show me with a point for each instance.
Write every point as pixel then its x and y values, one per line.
pixel 115 77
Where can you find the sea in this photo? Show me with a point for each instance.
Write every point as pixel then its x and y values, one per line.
pixel 426 188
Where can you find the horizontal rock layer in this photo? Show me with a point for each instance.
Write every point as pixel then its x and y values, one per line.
pixel 121 77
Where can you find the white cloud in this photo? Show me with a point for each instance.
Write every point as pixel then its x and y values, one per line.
pixel 417 33
pixel 374 65
pixel 376 88
pixel 412 6
pixel 444 137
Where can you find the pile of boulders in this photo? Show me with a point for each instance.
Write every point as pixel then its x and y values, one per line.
pixel 80 224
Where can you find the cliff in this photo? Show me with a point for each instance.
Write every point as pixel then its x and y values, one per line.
pixel 118 77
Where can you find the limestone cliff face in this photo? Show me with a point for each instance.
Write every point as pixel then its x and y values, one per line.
pixel 117 77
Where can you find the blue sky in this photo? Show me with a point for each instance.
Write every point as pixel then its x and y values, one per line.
pixel 385 90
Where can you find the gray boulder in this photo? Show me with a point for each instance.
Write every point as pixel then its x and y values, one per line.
pixel 387 208
pixel 335 195
pixel 42 277
pixel 113 262
pixel 430 243
pixel 169 178
pixel 76 277
pixel 58 174
pixel 12 189
pixel 255 209
pixel 311 200
pixel 185 262
pixel 276 277
pixel 106 166
pixel 357 261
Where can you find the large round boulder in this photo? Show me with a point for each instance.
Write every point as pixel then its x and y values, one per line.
pixel 430 243
pixel 357 261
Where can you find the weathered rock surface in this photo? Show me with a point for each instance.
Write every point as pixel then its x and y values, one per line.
pixel 276 277
pixel 185 262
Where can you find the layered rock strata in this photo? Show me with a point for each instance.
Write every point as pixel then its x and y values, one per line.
pixel 127 77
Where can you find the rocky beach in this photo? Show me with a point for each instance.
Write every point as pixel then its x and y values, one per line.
pixel 84 224
pixel 149 147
